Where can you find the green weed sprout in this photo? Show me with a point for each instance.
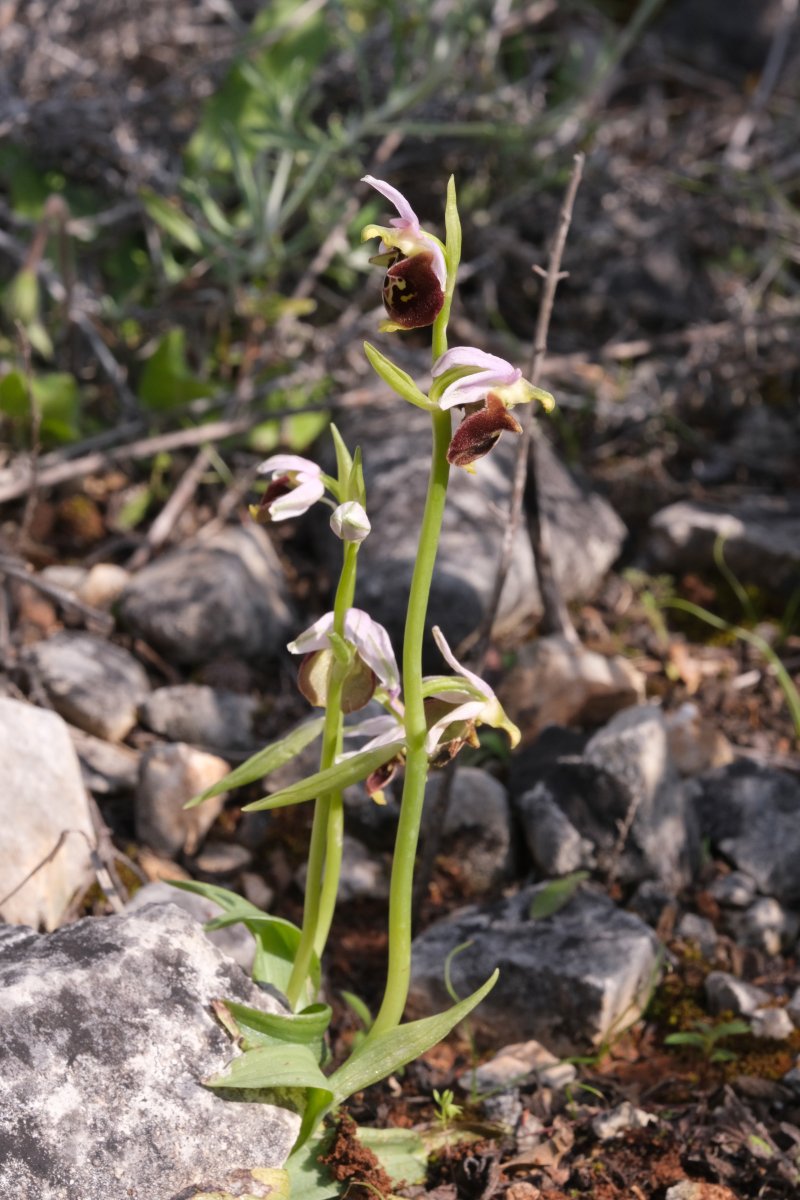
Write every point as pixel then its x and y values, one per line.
pixel 705 1038
pixel 347 660
pixel 447 1110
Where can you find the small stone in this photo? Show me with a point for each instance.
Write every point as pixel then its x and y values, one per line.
pixel 103 585
pixel 554 843
pixel 504 1109
pixel 608 1125
pixel 793 1007
pixel 107 768
pixel 768 926
pixel 202 716
pixel 726 993
pixel 690 1189
pixel 694 743
pixel 699 930
pixel 475 830
pixel 363 873
pixel 91 682
pixel 517 1064
pixel 45 817
pixel 222 858
pixel 257 890
pixel 792 1079
pixel 169 776
pixel 772 1023
pixel 223 596
pixel 558 681
pixel 735 890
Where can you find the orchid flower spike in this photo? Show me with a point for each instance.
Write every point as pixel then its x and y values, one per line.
pixel 474 704
pixel 491 389
pixel 296 484
pixel 373 661
pixel 413 290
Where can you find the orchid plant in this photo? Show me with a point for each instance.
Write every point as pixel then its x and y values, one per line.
pixel 347 661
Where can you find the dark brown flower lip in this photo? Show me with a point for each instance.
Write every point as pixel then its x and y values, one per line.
pixel 478 432
pixel 412 294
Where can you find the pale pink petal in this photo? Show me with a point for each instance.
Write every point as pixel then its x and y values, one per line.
pixel 384 731
pixel 280 464
pixel 298 500
pixel 374 646
pixel 470 356
pixel 473 388
pixel 407 214
pixel 480 686
pixel 313 638
pixel 465 712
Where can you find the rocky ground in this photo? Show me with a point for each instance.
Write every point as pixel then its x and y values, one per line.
pixel 633 868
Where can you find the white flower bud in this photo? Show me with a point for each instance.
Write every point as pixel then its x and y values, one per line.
pixel 350 522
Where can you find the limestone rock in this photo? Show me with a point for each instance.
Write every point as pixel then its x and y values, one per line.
pixel 169 776
pixel 751 814
pixel 91 682
pixel 203 716
pixel 762 539
pixel 694 744
pixel 726 993
pixel 107 768
pixel 106 1036
pixel 556 681
pixel 773 1024
pixel 568 980
pixel 225 595
pixel 475 830
pixel 233 940
pixel 518 1063
pixel 44 815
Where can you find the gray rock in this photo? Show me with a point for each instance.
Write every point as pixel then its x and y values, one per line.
pixel 767 925
pixel 169 776
pixel 234 940
pixel 735 890
pixel 774 1024
pixel 793 1007
pixel 204 716
pixel 569 980
pixel 475 830
pixel 554 843
pixel 699 930
pixel 762 539
pixel 107 768
pixel 44 815
pixel 751 814
pixel 225 595
pixel 587 534
pixel 363 873
pixel 222 859
pixel 106 1037
pixel 517 1064
pixel 91 682
pixel 726 993
pixel 623 776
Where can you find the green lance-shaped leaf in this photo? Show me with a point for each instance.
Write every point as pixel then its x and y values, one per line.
pixel 172 220
pixel 289 1066
pixel 344 462
pixel 400 383
pixel 258 1028
pixel 332 779
pixel 265 761
pixel 452 226
pixel 556 894
pixel 378 1056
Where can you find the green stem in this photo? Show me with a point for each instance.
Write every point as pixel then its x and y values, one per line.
pixel 318 902
pixel 400 895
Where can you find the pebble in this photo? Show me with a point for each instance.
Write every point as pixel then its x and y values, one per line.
pixel 726 993
pixel 608 1125
pixel 773 1023
pixel 169 776
pixel 203 716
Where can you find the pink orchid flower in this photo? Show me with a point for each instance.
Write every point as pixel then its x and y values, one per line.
pixel 369 639
pixel 475 703
pixel 490 391
pixel 413 290
pixel 296 484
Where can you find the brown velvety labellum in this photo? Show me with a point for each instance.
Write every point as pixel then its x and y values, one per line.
pixel 478 432
pixel 313 680
pixel 412 295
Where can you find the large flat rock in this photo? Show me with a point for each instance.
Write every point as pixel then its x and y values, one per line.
pixel 105 1037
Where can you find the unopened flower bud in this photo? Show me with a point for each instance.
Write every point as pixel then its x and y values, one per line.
pixel 350 522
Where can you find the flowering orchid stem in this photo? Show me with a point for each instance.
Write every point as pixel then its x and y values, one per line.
pixel 401 891
pixel 325 848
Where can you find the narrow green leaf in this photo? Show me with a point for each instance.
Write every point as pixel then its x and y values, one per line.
pixel 400 383
pixel 556 895
pixel 344 461
pixel 684 1039
pixel 172 220
pixel 265 761
pixel 378 1056
pixel 289 1066
pixel 359 1008
pixel 332 779
pixel 452 226
pixel 304 1028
